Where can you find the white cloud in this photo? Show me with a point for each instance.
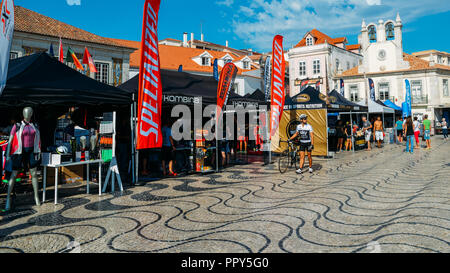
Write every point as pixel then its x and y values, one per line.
pixel 73 2
pixel 260 20
pixel 227 3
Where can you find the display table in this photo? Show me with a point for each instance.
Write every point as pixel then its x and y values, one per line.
pixel 68 164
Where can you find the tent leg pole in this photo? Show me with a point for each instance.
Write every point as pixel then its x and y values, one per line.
pixel 132 144
pixel 351 127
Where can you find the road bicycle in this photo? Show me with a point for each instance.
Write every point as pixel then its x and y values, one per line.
pixel 289 157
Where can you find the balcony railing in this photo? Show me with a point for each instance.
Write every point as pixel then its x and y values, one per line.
pixel 419 99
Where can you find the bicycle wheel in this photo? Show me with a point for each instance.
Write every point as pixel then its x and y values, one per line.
pixel 294 159
pixel 284 161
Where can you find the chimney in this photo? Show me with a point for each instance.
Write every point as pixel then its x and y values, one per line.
pixel 202 37
pixel 192 39
pixel 185 36
pixel 226 43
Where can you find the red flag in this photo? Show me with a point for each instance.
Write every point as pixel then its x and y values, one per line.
pixel 87 59
pixel 278 92
pixel 150 89
pixel 227 77
pixel 61 51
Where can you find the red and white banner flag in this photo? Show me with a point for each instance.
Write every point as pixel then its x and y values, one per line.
pixel 6 37
pixel 278 92
pixel 61 51
pixel 150 88
pixel 226 81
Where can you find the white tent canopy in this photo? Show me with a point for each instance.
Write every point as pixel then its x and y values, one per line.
pixel 377 108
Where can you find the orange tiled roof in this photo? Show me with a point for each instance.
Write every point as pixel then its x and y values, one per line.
pixel 353 47
pixel 321 38
pixel 173 56
pixel 415 63
pixel 28 21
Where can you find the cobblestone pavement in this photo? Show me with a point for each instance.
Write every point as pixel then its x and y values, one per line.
pixel 379 201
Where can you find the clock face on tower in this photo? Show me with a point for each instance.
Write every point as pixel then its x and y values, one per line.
pixel 382 54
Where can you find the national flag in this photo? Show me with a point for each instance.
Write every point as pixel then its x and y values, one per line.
pixel 372 89
pixel 87 59
pixel 6 36
pixel 51 52
pixel 226 81
pixel 72 58
pixel 61 51
pixel 278 92
pixel 150 87
pixel 342 87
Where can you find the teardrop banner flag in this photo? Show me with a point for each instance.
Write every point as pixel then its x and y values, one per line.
pixel 342 87
pixel 267 77
pixel 408 98
pixel 6 36
pixel 278 92
pixel 150 88
pixel 216 70
pixel 226 81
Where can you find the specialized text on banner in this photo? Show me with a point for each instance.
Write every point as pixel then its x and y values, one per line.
pixel 150 87
pixel 277 93
pixel 226 81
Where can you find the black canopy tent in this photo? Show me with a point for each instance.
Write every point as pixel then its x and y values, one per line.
pixel 337 99
pixel 39 79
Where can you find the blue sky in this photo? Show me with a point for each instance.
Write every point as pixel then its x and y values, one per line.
pixel 252 24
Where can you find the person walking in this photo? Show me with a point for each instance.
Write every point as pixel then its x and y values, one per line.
pixel 367 130
pixel 416 125
pixel 168 149
pixel 348 133
pixel 306 133
pixel 427 131
pixel 444 126
pixel 408 131
pixel 399 124
pixel 379 131
pixel 340 135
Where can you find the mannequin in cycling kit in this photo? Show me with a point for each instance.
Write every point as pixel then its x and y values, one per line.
pixel 306 134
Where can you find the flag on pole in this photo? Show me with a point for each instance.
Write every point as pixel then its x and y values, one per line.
pixel 180 68
pixel 226 81
pixel 6 35
pixel 408 98
pixel 87 59
pixel 216 70
pixel 149 133
pixel 267 77
pixel 342 88
pixel 278 92
pixel 372 89
pixel 61 51
pixel 51 52
pixel 318 85
pixel 71 57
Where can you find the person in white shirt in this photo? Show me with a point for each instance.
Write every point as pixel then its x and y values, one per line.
pixel 416 125
pixel 444 126
pixel 306 134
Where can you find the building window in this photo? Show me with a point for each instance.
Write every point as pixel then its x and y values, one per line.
pixel 102 74
pixel 302 69
pixel 348 65
pixel 445 85
pixel 309 41
pixel 316 67
pixel 13 55
pixel 206 61
pixel 416 92
pixel 354 93
pixel 390 31
pixel 246 65
pixel 383 91
pixel 227 60
pixel 372 34
pixel 337 64
pixel 439 59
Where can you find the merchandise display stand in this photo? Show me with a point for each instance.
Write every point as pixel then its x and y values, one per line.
pixel 108 131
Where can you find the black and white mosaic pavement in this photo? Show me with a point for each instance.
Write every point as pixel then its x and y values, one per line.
pixel 379 201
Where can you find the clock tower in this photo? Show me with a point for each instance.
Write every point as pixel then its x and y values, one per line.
pixel 381 46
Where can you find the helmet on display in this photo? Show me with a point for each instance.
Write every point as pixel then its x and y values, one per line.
pixel 62 150
pixel 303 116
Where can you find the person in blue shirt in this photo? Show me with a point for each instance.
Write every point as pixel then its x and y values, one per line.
pixel 168 149
pixel 399 125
